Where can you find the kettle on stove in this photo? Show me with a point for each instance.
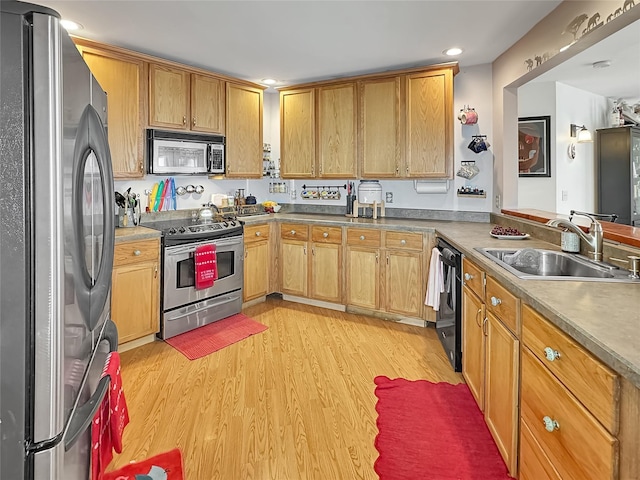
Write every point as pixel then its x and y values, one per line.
pixel 206 213
pixel 250 200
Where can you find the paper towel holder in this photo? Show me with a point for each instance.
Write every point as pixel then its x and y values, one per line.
pixel 431 186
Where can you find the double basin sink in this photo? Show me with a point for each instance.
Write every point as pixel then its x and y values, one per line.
pixel 540 264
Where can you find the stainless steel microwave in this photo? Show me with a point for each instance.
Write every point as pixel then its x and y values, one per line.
pixel 181 153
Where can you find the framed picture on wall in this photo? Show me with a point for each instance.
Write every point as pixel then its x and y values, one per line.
pixel 534 148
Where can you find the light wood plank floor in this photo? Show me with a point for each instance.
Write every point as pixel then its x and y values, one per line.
pixel 294 402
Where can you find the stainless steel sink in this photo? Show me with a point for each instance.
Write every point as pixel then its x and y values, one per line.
pixel 540 264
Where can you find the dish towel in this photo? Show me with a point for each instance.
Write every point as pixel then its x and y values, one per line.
pixel 206 269
pixel 435 282
pixel 110 420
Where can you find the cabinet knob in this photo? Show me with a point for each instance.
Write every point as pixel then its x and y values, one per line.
pixel 468 276
pixel 184 119
pixel 194 121
pixel 550 424
pixel 551 354
pixel 137 253
pixel 258 234
pixel 293 232
pixel 495 301
pixel 325 234
pixel 361 237
pixel 403 242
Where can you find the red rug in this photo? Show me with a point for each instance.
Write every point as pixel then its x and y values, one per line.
pixel 169 462
pixel 210 338
pixel 433 431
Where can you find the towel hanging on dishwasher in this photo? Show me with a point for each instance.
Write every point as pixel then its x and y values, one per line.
pixel 435 282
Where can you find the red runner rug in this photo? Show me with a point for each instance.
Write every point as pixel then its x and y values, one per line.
pixel 433 431
pixel 210 338
pixel 168 463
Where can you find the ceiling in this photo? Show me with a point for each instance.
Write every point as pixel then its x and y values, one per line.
pixel 306 40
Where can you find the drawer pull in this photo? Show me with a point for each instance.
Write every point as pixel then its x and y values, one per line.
pixel 549 424
pixel 403 242
pixel 361 237
pixel 495 301
pixel 468 276
pixel 293 232
pixel 551 354
pixel 258 234
pixel 137 253
pixel 325 234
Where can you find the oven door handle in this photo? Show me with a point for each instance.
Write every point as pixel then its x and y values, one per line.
pixel 191 309
pixel 173 251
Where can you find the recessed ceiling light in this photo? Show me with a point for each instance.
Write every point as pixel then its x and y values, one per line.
pixel 69 25
pixel 602 64
pixel 269 81
pixel 452 52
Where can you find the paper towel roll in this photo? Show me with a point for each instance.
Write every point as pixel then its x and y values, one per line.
pixel 431 186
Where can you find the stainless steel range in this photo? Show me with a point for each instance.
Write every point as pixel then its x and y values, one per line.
pixel 183 306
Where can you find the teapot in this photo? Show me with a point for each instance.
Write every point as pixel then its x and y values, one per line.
pixel 250 200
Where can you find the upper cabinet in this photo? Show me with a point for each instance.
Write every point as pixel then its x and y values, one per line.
pixel 337 131
pixel 392 125
pixel 297 133
pixel 244 131
pixel 181 100
pixel 123 78
pixel 429 107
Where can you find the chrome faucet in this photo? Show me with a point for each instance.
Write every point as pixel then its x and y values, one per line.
pixel 593 238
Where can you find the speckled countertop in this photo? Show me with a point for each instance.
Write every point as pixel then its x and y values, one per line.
pixel 131 234
pixel 603 317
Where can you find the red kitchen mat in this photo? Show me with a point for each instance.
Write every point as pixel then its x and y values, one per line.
pixel 210 338
pixel 166 465
pixel 433 430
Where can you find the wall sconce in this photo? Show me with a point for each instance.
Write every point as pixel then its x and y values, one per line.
pixel 582 135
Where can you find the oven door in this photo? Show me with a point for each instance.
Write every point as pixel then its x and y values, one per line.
pixel 179 272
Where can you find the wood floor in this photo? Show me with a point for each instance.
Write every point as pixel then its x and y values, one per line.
pixel 294 402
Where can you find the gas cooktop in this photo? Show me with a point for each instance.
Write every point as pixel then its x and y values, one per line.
pixel 185 230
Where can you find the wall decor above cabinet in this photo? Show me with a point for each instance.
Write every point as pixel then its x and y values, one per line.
pixel 388 125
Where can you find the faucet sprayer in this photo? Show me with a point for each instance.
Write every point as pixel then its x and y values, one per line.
pixel 593 238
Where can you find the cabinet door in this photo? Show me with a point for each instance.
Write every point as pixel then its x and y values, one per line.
pixel 429 148
pixel 501 409
pixel 122 79
pixel 379 128
pixel 207 104
pixel 326 262
pixel 244 131
pixel 404 283
pixel 135 305
pixel 473 344
pixel 337 131
pixel 297 133
pixel 293 267
pixel 168 97
pixel 363 272
pixel 256 270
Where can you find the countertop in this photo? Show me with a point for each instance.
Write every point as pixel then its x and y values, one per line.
pixel 603 317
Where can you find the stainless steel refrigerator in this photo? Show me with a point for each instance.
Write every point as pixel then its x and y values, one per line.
pixel 56 248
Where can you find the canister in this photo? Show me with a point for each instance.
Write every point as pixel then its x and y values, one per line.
pixel 369 191
pixel 569 242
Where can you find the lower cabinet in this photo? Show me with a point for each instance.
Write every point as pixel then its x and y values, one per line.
pixel 569 407
pixel 135 294
pixel 325 277
pixel 363 267
pixel 294 264
pixel 256 261
pixel 473 344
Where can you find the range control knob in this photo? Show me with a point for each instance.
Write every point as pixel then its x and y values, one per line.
pixel 225 224
pixel 233 224
pixel 182 229
pixel 172 231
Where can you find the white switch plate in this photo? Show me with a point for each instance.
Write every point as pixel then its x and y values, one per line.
pixel 565 195
pixel 498 201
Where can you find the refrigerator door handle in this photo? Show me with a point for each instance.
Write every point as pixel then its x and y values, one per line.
pixel 84 414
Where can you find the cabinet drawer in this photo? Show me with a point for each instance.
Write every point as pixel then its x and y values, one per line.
pixel 578 446
pixel 255 233
pixel 294 231
pixel 594 384
pixel 473 278
pixel 363 236
pixel 502 303
pixel 326 235
pixel 403 240
pixel 534 464
pixel 134 252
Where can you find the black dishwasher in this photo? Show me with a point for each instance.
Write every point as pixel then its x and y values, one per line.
pixel 449 315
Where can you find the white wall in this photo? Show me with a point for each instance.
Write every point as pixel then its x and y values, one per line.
pixel 534 100
pixel 472 86
pixel 572 182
